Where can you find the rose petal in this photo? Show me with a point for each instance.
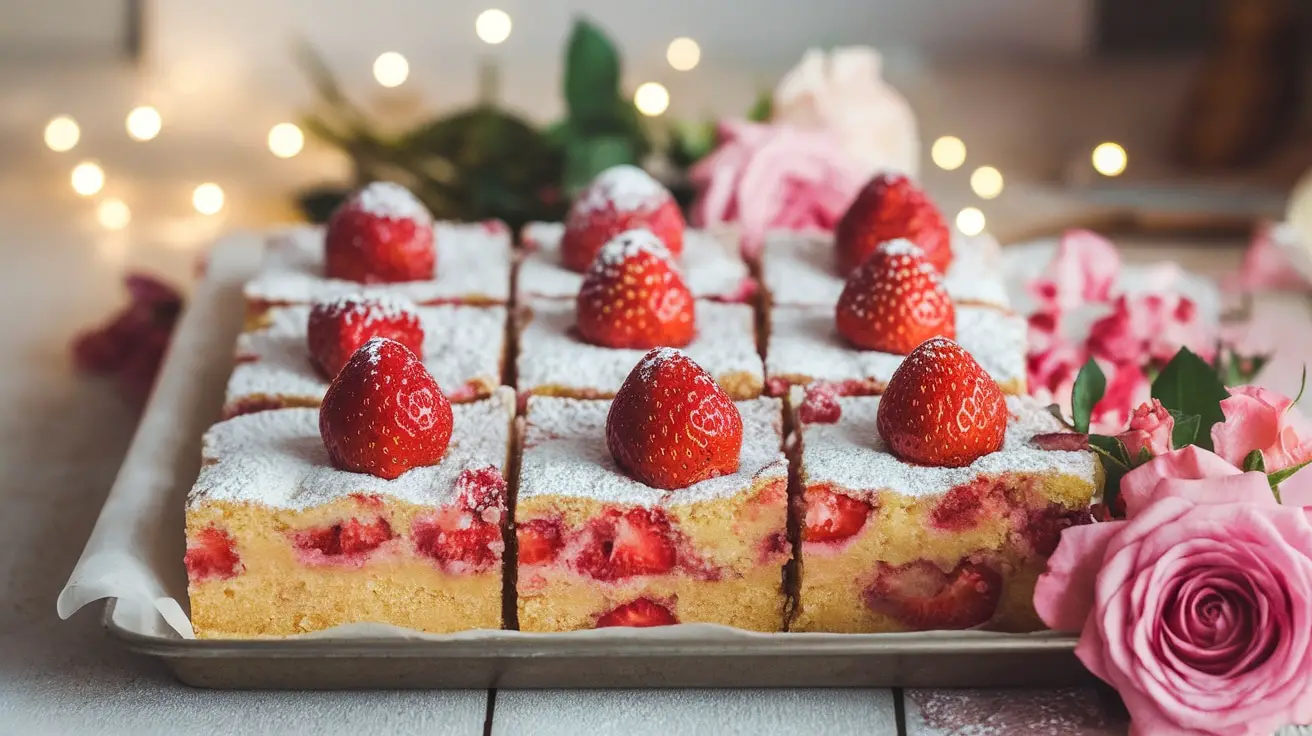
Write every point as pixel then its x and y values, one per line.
pixel 1063 595
pixel 1249 487
pixel 1138 487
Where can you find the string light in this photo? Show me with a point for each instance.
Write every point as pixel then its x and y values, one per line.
pixel 493 26
pixel 970 221
pixel 113 214
pixel 62 133
pixel 1109 159
pixel 948 153
pixel 391 69
pixel 683 54
pixel 88 178
pixel 208 198
pixel 986 182
pixel 144 123
pixel 286 140
pixel 651 99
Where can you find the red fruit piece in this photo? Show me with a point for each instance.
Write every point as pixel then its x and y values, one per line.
pixel 671 425
pixel 641 612
pixel 351 537
pixel 460 540
pixel 832 517
pixel 633 296
pixel 941 408
pixel 891 207
pixel 380 234
pixel 620 545
pixel 211 554
pixel 922 597
pixel 483 491
pixel 894 301
pixel 383 413
pixel 1043 527
pixel 620 198
pixel 539 540
pixel 820 405
pixel 339 327
pixel 964 507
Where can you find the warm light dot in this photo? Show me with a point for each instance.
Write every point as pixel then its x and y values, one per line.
pixel 113 214
pixel 62 133
pixel 88 178
pixel 948 153
pixel 207 199
pixel 1109 159
pixel 286 140
pixel 970 221
pixel 651 99
pixel 391 69
pixel 683 54
pixel 144 123
pixel 986 182
pixel 493 26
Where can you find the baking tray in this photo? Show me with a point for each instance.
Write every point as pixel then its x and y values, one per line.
pixel 695 656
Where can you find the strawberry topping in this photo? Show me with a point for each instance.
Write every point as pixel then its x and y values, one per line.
pixel 339 327
pixel 380 234
pixel 832 517
pixel 620 198
pixel 384 414
pixel 641 612
pixel 349 538
pixel 671 425
pixel 483 491
pixel 922 597
pixel 211 554
pixel 894 301
pixel 888 208
pixel 941 408
pixel 539 541
pixel 633 296
pixel 620 545
pixel 820 405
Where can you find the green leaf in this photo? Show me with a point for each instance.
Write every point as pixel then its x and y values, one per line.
pixel 592 76
pixel 1185 431
pixel 1115 464
pixel 1253 461
pixel 1280 476
pixel 1111 448
pixel 763 109
pixel 1055 411
pixel 587 157
pixel 1089 387
pixel 1189 385
pixel 1302 384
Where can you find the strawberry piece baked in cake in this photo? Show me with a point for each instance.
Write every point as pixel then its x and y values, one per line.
pixel 625 198
pixel 667 505
pixel 930 507
pixel 889 305
pixel 633 298
pixel 382 241
pixel 388 506
pixel 291 353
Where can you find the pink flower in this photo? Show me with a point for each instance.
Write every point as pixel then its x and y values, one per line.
pixel 132 344
pixel 1150 428
pixel 774 176
pixel 1149 328
pixel 1191 462
pixel 1258 419
pixel 1267 261
pixel 1127 387
pixel 1083 270
pixel 1196 608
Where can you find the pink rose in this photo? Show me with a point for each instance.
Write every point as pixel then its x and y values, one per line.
pixel 1150 427
pixel 1083 270
pixel 1258 419
pixel 774 176
pixel 1191 462
pixel 1196 608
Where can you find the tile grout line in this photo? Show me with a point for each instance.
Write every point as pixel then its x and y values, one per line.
pixel 490 712
pixel 900 711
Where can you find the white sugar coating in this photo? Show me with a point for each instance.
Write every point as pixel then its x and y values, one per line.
pixel 277 459
pixel 798 268
pixel 461 344
pixel 629 244
pixel 624 188
pixel 805 342
pixel 473 263
pixel 901 247
pixel 552 354
pixel 391 200
pixel 710 263
pixel 374 309
pixel 851 454
pixel 565 454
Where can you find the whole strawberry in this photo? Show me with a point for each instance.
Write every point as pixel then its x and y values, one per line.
pixel 380 234
pixel 941 408
pixel 633 296
pixel 894 301
pixel 339 327
pixel 891 207
pixel 384 414
pixel 620 198
pixel 670 425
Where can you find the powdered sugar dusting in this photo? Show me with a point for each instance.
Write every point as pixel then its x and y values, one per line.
pixel 277 459
pixel 391 200
pixel 901 247
pixel 551 354
pixel 565 454
pixel 710 264
pixel 473 264
pixel 382 308
pixel 798 269
pixel 462 345
pixel 805 342
pixel 629 244
pixel 851 454
pixel 623 188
